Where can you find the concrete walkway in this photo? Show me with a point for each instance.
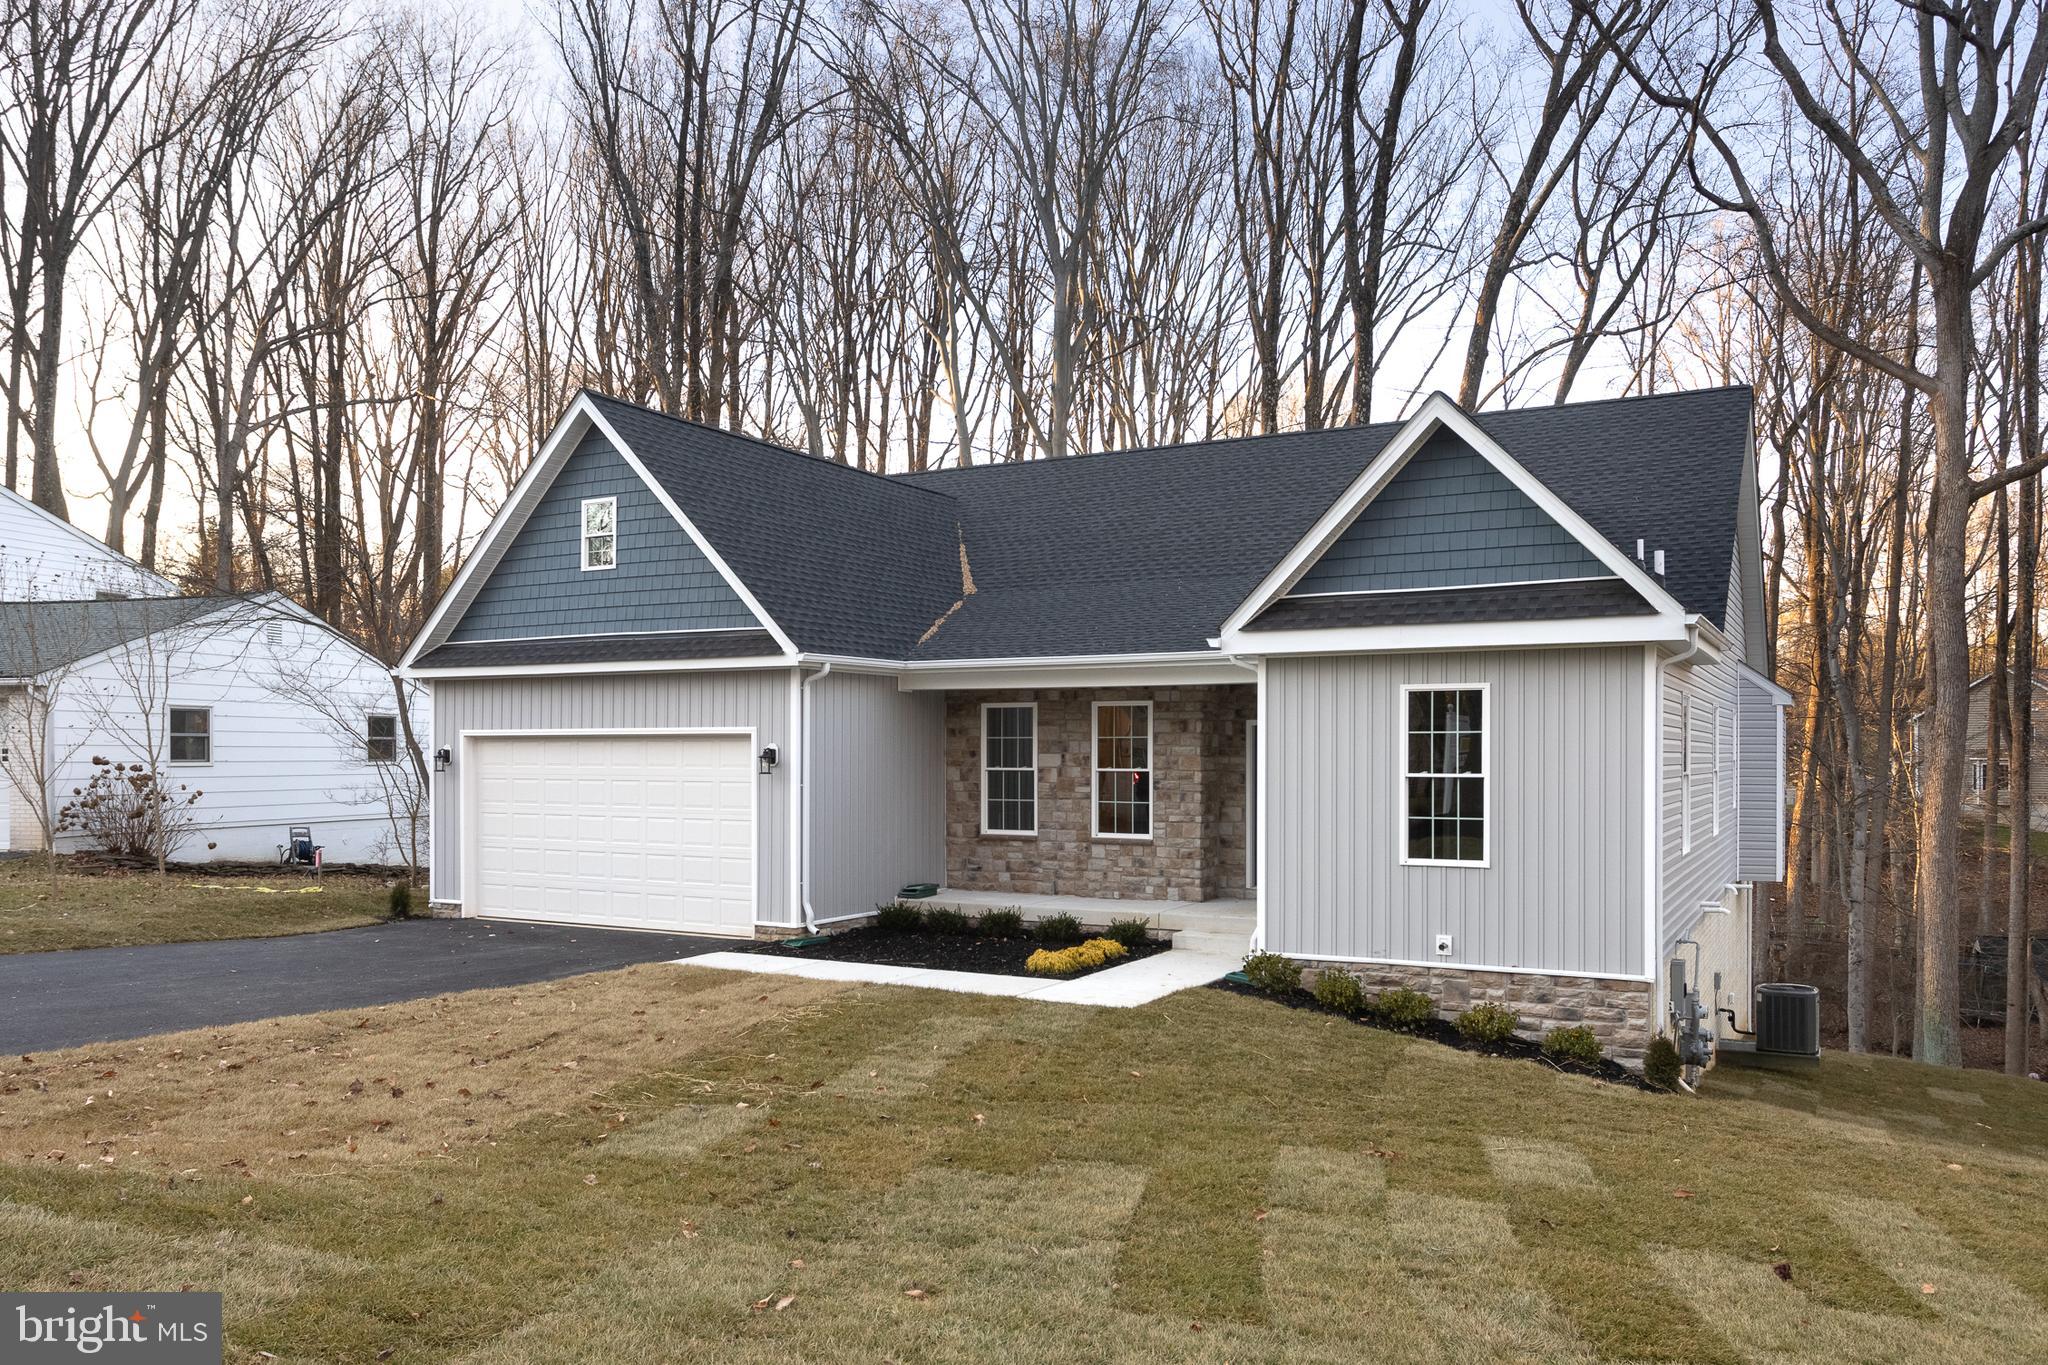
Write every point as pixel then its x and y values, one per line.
pixel 1134 983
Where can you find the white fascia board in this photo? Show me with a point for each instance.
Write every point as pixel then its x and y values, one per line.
pixel 1660 629
pixel 1779 696
pixel 1437 412
pixel 689 528
pixel 574 421
pixel 624 666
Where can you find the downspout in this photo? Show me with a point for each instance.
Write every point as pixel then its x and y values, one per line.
pixel 1654 853
pixel 803 790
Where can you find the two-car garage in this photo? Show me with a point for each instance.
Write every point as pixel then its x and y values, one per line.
pixel 634 829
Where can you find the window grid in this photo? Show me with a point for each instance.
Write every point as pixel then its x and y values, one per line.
pixel 1123 770
pixel 191 731
pixel 381 736
pixel 1009 769
pixel 1444 775
pixel 600 533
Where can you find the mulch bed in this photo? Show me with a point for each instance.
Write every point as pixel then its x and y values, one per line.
pixel 1445 1032
pixel 944 952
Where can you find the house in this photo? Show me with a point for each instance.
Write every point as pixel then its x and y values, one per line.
pixel 1977 775
pixel 1472 702
pixel 272 717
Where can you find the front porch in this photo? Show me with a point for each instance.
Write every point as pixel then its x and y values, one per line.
pixel 1111 801
pixel 1216 925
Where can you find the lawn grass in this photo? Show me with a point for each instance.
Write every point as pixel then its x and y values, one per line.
pixel 670 1163
pixel 121 909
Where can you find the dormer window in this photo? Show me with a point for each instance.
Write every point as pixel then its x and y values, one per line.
pixel 600 533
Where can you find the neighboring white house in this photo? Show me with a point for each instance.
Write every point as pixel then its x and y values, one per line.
pixel 274 718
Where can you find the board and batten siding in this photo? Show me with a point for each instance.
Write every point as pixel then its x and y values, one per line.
pixel 661 580
pixel 1564 889
pixel 1760 799
pixel 876 774
pixel 759 699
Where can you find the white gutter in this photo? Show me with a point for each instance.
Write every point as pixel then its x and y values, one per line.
pixel 1653 851
pixel 803 788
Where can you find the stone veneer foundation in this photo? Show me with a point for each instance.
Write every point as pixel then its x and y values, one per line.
pixel 1197 847
pixel 1617 1011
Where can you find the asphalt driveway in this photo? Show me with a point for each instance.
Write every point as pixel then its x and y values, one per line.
pixel 92 995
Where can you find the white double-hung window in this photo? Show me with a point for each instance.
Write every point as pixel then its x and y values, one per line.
pixel 1009 768
pixel 1123 770
pixel 600 533
pixel 1444 805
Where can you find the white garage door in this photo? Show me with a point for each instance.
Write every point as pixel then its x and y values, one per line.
pixel 639 831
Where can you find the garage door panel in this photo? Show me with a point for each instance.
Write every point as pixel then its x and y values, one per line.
pixel 643 831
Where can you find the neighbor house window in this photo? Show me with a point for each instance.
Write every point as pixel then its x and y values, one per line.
pixel 383 739
pixel 191 734
pixel 1123 769
pixel 1978 768
pixel 600 533
pixel 1445 775
pixel 1009 769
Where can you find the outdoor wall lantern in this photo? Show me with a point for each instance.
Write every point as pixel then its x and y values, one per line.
pixel 440 760
pixel 770 756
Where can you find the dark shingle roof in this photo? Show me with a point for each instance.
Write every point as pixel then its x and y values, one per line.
pixel 1146 551
pixel 1443 606
pixel 603 649
pixel 36 637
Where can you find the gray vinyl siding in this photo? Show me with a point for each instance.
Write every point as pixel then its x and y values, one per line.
pixel 662 581
pixel 877 778
pixel 1760 799
pixel 1694 877
pixel 1448 519
pixel 739 698
pixel 1564 888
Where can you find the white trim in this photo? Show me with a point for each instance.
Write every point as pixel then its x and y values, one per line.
pixel 1440 965
pixel 750 661
pixel 1095 771
pixel 1251 796
pixel 809 915
pixel 470 831
pixel 982 795
pixel 1653 810
pixel 1485 774
pixel 1666 629
pixel 583 533
pixel 369 739
pixel 1779 696
pixel 1454 587
pixel 799 774
pixel 171 710
pixel 1438 411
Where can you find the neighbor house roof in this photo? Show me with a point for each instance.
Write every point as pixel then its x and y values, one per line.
pixel 1149 551
pixel 36 637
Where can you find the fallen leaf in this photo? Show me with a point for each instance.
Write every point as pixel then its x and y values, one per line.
pixel 1258 1215
pixel 761 1305
pixel 785 1301
pixel 689 1228
pixel 1681 1194
pixel 590 1180
pixel 248 1199
pixel 915 1293
pixel 1927 1289
pixel 981 1118
pixel 1138 1074
pixel 796 1263
pixel 1954 1166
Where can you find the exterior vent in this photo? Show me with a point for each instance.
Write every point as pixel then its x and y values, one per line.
pixel 273 631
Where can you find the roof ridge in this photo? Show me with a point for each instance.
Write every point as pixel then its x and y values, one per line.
pixel 761 441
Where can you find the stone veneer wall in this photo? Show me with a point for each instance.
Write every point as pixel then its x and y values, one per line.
pixel 1198 799
pixel 1617 1011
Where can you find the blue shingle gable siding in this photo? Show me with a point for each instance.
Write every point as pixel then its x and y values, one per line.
pixel 1448 519
pixel 662 580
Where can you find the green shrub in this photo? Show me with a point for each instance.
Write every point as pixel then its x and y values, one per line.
pixel 1488 1024
pixel 1132 933
pixel 899 917
pixel 399 906
pixel 1660 1063
pixel 1273 973
pixel 1339 990
pixel 1574 1044
pixel 1082 956
pixel 1002 924
pixel 1060 928
pixel 944 919
pixel 1403 1008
